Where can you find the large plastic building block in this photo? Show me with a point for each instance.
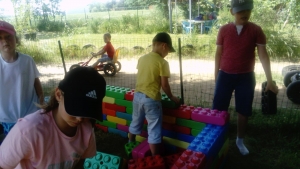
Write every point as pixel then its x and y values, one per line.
pixel 190 123
pixel 125 103
pixel 109 112
pixel 209 141
pixel 108 100
pixel 171 159
pixel 195 132
pixel 190 160
pixel 176 142
pixel 119 132
pixel 167 102
pixel 151 162
pixel 123 128
pixel 126 116
pixel 142 150
pixel 129 110
pixel 103 128
pixel 129 95
pixel 129 147
pixel 107 124
pixel 177 128
pixel 116 92
pixel 102 160
pixel 116 120
pixel 115 107
pixel 183 112
pixel 185 138
pixel 209 116
pixel 169 119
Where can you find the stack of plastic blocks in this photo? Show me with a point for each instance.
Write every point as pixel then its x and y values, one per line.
pixel 183 126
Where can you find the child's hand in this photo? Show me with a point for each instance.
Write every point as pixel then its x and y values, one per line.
pixel 272 87
pixel 175 99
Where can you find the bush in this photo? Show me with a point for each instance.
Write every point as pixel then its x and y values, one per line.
pixel 50 26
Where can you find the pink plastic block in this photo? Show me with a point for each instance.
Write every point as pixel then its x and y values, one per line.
pixel 139 150
pixel 152 162
pixel 209 116
pixel 123 127
pixel 190 160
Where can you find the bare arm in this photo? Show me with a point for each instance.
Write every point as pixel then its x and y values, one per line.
pixel 80 164
pixel 39 90
pixel 217 60
pixel 265 61
pixel 166 88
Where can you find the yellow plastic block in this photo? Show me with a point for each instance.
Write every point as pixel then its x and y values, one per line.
pixel 169 119
pixel 116 120
pixel 138 138
pixel 176 143
pixel 109 100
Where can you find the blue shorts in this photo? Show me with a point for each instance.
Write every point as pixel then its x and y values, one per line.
pixel 243 86
pixel 104 58
pixel 143 106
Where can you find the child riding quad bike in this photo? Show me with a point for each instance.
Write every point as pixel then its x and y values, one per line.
pixel 110 68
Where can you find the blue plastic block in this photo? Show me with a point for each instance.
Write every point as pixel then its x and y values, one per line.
pixel 119 132
pixel 125 116
pixel 185 137
pixel 170 134
pixel 210 140
pixel 104 116
pixel 102 160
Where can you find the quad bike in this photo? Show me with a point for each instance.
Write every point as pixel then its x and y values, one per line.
pixel 110 68
pixel 291 80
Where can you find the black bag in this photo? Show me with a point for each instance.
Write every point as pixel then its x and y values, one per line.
pixel 268 100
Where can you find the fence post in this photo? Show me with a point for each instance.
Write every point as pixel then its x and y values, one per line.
pixel 62 56
pixel 180 69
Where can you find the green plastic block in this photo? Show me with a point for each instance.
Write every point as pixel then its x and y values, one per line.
pixel 130 146
pixel 129 110
pixel 126 103
pixel 168 103
pixel 102 160
pixel 195 132
pixel 108 124
pixel 190 123
pixel 116 92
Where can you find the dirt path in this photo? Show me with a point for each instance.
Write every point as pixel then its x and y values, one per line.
pixel 198 80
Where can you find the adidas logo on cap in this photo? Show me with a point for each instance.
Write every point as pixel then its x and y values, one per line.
pixel 92 94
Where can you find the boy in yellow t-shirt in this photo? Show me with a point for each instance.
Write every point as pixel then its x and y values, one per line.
pixel 153 74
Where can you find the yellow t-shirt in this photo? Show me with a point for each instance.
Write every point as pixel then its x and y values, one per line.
pixel 151 67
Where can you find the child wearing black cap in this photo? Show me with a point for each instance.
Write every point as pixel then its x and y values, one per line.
pixel 234 65
pixel 153 74
pixel 60 135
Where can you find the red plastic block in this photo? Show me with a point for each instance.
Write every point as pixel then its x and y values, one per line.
pixel 142 150
pixel 209 116
pixel 103 128
pixel 115 107
pixel 129 95
pixel 177 128
pixel 151 162
pixel 109 112
pixel 171 159
pixel 183 111
pixel 190 160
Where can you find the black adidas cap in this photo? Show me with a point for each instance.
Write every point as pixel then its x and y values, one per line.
pixel 84 89
pixel 165 38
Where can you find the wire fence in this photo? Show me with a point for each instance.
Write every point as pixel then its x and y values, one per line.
pixel 197 68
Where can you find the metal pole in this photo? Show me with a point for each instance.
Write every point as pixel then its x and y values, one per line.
pixel 170 16
pixel 180 69
pixel 62 56
pixel 190 4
